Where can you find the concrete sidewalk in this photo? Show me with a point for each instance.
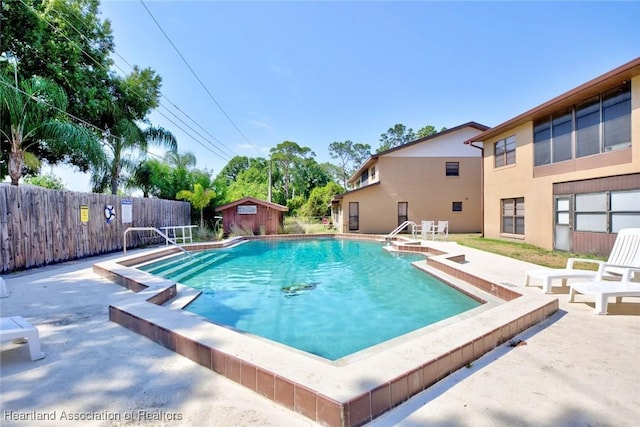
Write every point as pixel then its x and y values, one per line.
pixel 575 368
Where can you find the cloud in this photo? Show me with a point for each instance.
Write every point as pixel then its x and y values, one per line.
pixel 262 125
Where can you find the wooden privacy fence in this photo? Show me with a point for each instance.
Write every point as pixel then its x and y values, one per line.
pixel 40 226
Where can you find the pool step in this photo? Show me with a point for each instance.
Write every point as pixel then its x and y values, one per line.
pixel 192 270
pixel 179 262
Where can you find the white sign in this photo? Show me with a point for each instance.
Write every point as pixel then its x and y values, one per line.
pixel 127 211
pixel 247 210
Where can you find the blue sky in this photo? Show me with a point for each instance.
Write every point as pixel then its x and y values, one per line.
pixel 315 72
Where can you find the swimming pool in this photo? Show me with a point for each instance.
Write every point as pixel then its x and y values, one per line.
pixel 328 297
pixel 355 389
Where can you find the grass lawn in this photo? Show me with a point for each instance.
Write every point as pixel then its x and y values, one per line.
pixel 522 251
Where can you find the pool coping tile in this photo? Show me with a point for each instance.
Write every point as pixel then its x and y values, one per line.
pixel 330 393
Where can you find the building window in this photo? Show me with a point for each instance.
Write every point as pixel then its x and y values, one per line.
pixel 456 206
pixel 625 210
pixel 403 212
pixel 354 216
pixel 591 212
pixel 599 124
pixel 513 216
pixel 616 117
pixel 373 173
pixel 505 151
pixel 452 169
pixel 364 178
pixel 607 211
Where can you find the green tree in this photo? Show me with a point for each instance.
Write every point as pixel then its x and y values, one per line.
pixel 143 177
pixel 134 97
pixel 49 181
pixel 32 121
pixel 350 155
pixel 308 175
pixel 287 155
pixel 428 130
pixel 199 198
pixel 253 182
pixel 235 166
pixel 319 201
pixel 395 136
pixel 66 42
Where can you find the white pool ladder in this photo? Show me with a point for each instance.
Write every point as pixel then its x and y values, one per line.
pixel 167 238
pixel 399 228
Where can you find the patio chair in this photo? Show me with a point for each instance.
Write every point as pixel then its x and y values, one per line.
pixel 424 229
pixel 16 328
pixel 441 230
pixel 602 290
pixel 625 253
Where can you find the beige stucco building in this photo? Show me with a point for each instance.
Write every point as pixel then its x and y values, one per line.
pixel 566 175
pixel 432 178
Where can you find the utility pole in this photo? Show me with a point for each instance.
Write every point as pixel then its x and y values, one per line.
pixel 269 192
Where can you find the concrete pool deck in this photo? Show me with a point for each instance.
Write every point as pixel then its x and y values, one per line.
pixel 576 368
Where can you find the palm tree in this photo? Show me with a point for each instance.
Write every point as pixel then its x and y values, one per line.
pixel 200 198
pixel 33 123
pixel 123 140
pixel 185 160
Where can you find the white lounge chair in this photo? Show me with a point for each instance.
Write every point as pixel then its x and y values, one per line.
pixel 441 230
pixel 602 290
pixel 14 328
pixel 625 253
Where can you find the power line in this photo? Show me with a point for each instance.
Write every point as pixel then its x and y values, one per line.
pixel 229 152
pixel 225 157
pixel 196 76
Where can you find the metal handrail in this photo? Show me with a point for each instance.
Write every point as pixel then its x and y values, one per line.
pixel 167 238
pixel 399 228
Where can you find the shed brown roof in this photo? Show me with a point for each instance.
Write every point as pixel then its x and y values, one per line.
pixel 252 200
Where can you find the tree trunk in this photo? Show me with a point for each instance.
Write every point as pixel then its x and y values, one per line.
pixel 202 218
pixel 15 166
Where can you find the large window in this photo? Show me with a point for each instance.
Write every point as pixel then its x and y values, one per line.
pixel 599 124
pixel 505 152
pixel 607 211
pixel 354 216
pixel 561 128
pixel 588 127
pixel 513 216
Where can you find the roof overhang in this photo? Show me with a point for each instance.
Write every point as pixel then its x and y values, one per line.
pixel 591 88
pixel 252 200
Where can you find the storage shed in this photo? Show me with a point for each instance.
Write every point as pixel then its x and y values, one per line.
pixel 251 214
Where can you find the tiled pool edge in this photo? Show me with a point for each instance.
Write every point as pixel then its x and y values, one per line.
pixel 333 409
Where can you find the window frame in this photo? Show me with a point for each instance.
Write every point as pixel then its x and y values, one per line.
pixel 612 127
pixel 456 206
pixel 452 169
pixel 504 152
pixel 608 211
pixel 518 214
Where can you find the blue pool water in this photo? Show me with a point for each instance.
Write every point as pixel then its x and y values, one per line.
pixel 329 297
